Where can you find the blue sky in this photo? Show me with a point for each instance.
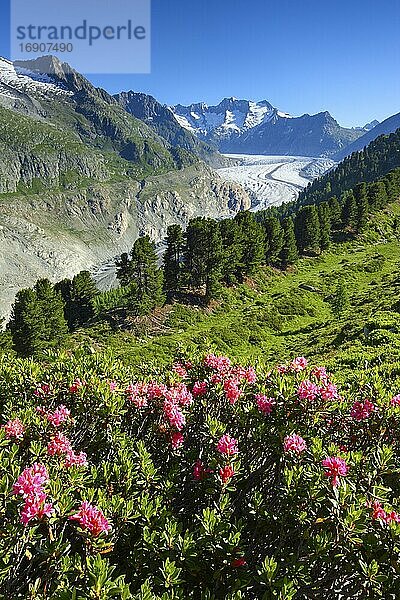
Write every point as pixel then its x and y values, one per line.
pixel 302 56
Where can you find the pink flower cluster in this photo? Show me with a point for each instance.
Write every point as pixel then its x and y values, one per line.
pixel 309 390
pixel 298 364
pixel 76 386
pixel 14 429
pixel 395 401
pixel 222 364
pixel 43 389
pixel 200 472
pixel 294 443
pixel 200 388
pixel 30 485
pixel 60 445
pixel 379 514
pixel 334 467
pixel 362 410
pixel 56 418
pixel 227 445
pixel 226 473
pixel 264 404
pixel 91 518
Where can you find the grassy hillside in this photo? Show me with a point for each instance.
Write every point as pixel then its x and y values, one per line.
pixel 277 313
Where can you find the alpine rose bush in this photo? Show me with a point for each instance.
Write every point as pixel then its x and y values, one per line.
pixel 205 480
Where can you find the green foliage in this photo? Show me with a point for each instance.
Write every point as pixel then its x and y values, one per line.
pixel 37 320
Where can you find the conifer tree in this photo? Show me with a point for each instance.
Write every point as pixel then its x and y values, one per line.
pixel 307 229
pixel 123 272
pixel 51 305
pixel 252 244
pixel 172 260
pixel 231 237
pixel 349 212
pixel 325 225
pixel 377 196
pixel 289 253
pixel 146 287
pixel 37 320
pixel 335 212
pixel 203 256
pixel 274 236
pixel 26 324
pixel 361 198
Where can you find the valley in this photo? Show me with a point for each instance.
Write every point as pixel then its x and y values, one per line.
pixel 273 180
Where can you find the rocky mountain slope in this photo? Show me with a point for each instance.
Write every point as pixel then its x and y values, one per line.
pixel 245 127
pixel 81 178
pixel 162 120
pixel 388 126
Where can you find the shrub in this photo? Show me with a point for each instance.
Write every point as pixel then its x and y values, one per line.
pixel 204 480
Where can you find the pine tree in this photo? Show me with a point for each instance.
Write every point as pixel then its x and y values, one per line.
pixel 274 236
pixel 51 305
pixel 377 196
pixel 325 225
pixel 335 212
pixel 231 237
pixel 203 257
pixel 307 229
pixel 123 265
pixel 26 324
pixel 252 243
pixel 37 320
pixel 349 212
pixel 146 286
pixel 289 254
pixel 78 296
pixel 172 260
pixel 361 198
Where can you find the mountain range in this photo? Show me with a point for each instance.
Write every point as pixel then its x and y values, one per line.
pixel 246 127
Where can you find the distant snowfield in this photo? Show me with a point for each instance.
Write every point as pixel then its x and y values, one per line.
pixel 272 180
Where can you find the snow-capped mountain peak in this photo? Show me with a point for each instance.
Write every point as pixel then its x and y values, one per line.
pixel 16 81
pixel 230 117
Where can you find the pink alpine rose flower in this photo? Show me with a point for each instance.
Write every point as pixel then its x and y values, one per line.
pixel 221 364
pixel 36 507
pixel 174 415
pixel 294 443
pixel 307 390
pixel 31 481
pixel 177 440
pixel 298 364
pixel 395 401
pixel 92 518
pixel 59 445
pixel 14 429
pixel 226 473
pixel 362 410
pixel 227 445
pixel 264 404
pixel 199 471
pixel 232 392
pixel 199 389
pixel 335 467
pixel 73 459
